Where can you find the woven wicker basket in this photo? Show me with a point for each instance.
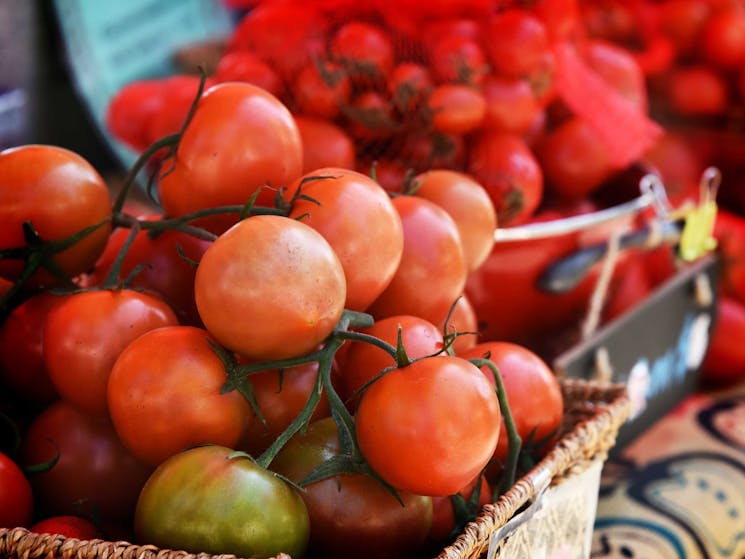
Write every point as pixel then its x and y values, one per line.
pixel 593 415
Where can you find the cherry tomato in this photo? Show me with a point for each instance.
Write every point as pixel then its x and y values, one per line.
pixel 470 206
pixel 164 395
pixel 433 269
pixel 630 286
pixel 165 267
pixel 363 47
pixel 68 526
pixel 511 104
pixel 729 230
pixel 697 90
pixel 217 163
pixel 430 427
pixel 723 38
pixel 363 361
pixel 61 194
pixel 408 84
pixel 352 212
pixel 510 172
pixel 84 335
pixel 370 116
pixel 94 473
pixel 725 358
pixel 520 42
pixel 132 108
pixel 456 108
pixel 533 393
pixel 16 498
pixel 321 89
pixel 22 365
pixel 245 66
pixel 455 58
pixel 183 506
pixel 179 93
pixel 352 514
pixel 433 150
pixel 324 144
pixel 281 298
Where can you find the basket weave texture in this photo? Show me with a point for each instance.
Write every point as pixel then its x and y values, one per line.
pixel 594 412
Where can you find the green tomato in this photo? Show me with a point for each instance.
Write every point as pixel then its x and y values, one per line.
pixel 203 499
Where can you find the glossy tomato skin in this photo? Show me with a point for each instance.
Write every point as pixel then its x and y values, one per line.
pixel 16 498
pixel 280 299
pixel 353 213
pixel 183 506
pixel 68 526
pixel 433 268
pixel 456 108
pixel 352 514
pixel 60 193
pixel 94 471
pixel 324 144
pixel 84 335
pixel 430 427
pixel 22 365
pixel 164 395
pixel 532 390
pixel 163 268
pixel 217 163
pixel 362 361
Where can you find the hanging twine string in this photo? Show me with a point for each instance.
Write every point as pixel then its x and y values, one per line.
pixel 600 293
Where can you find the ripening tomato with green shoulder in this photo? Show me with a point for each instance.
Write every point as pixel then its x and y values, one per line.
pixel 211 499
pixel 278 300
pixel 429 427
pixel 60 194
pixel 352 212
pixel 165 394
pixel 351 514
pixel 217 163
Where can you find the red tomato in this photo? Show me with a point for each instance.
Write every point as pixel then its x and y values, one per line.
pixel 68 526
pixel 131 110
pixel 370 116
pixel 678 164
pixel 84 335
pixel 725 359
pixel 321 89
pixel 729 230
pixel 363 48
pixel 470 206
pixel 164 395
pixel 22 365
pixel 245 66
pixel 351 515
pixel 94 472
pixel 462 321
pixel 363 361
pixel 682 21
pixel 433 150
pixel 430 427
pixel 511 104
pixel 630 286
pixel 353 212
pixel 697 90
pixel 179 94
pixel 408 84
pixel 533 393
pixel 324 144
pixel 217 163
pixel 163 268
pixel 454 58
pixel 288 292
pixel 520 42
pixel 510 172
pixel 456 108
pixel 723 38
pixel 433 269
pixel 61 194
pixel 16 498
pixel 281 395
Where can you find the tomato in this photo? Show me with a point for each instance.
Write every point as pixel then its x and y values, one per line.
pixel 16 498
pixel 68 526
pixel 369 116
pixel 351 514
pixel 408 84
pixel 163 268
pixel 179 94
pixel 510 172
pixel 430 427
pixel 391 174
pixel 164 395
pixel 454 58
pixel 280 395
pixel 729 230
pixel 203 499
pixel 84 335
pixel 682 21
pixel 281 298
pixel 443 512
pixel 433 150
pixel 462 321
pixel 630 286
pixel 574 161
pixel 723 38
pixel 324 144
pixel 725 358
pixel 22 365
pixel 132 108
pixel 533 393
pixel 678 164
pixel 321 89
pixel 61 194
pixel 522 42
pixel 353 212
pixel 363 48
pixel 470 206
pixel 697 90
pixel 456 108
pixel 94 472
pixel 217 163
pixel 511 104
pixel 433 269
pixel 245 66
pixel 363 361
